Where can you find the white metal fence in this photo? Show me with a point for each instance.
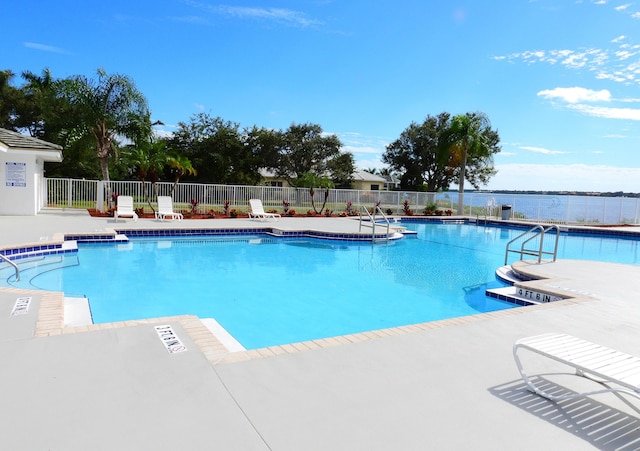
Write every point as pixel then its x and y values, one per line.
pixel 553 208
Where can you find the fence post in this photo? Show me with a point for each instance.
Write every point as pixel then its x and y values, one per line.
pixel 100 197
pixel 69 193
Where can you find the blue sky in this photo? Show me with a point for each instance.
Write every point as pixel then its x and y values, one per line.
pixel 558 79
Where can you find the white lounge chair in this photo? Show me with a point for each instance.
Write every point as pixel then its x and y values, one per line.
pixel 595 362
pixel 257 211
pixel 125 208
pixel 165 209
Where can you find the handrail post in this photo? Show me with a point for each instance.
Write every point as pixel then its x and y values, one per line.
pixel 3 257
pixel 372 218
pixel 541 244
pixel 386 220
pixel 541 231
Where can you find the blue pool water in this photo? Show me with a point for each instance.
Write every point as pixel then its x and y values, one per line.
pixel 267 291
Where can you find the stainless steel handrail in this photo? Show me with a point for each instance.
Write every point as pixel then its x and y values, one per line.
pixel 14 266
pixel 372 218
pixel 535 232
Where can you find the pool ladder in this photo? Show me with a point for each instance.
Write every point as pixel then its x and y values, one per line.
pixel 14 266
pixel 372 219
pixel 535 232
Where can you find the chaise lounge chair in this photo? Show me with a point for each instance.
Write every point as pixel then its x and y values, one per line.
pixel 165 209
pixel 257 211
pixel 125 208
pixel 598 363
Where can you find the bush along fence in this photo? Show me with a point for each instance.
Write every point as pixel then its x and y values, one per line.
pixel 204 198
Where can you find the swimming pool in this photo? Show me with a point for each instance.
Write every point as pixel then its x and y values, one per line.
pixel 267 291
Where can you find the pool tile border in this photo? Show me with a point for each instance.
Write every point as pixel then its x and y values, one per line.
pixel 50 322
pixel 273 231
pixel 381 333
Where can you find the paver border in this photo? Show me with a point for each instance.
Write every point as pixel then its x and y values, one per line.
pixel 51 322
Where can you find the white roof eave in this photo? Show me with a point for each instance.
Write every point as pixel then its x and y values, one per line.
pixel 46 155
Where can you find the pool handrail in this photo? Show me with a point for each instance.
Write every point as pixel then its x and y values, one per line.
pixel 372 218
pixel 536 231
pixel 3 257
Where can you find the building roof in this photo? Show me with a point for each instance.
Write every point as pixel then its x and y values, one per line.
pixel 364 176
pixel 16 142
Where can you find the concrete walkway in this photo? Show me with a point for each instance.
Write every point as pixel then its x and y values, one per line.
pixel 447 385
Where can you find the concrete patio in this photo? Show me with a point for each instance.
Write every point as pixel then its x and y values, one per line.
pixel 446 385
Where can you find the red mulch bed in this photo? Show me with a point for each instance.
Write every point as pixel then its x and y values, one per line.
pixel 97 214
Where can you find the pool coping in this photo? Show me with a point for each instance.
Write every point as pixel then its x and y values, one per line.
pixel 112 235
pixel 50 322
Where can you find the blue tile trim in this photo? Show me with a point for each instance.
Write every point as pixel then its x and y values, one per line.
pixel 571 229
pixel 27 251
pixel 509 299
pixel 89 237
pixel 434 219
pixel 35 251
pixel 268 231
pixel 46 248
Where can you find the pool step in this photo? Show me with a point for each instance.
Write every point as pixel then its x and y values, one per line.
pixel 507 275
pixel 521 296
pixel 222 335
pixel 32 265
pixel 77 312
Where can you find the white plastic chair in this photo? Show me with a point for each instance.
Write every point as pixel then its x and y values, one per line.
pixel 165 209
pixel 257 211
pixel 125 208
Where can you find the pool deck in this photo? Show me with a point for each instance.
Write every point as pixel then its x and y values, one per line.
pixel 447 385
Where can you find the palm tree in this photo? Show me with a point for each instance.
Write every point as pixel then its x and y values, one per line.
pixel 179 166
pixel 466 135
pixel 147 161
pixel 110 106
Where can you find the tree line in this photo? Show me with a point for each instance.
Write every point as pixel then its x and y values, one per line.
pixel 105 127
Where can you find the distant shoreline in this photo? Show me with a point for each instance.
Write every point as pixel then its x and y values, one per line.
pixel 562 193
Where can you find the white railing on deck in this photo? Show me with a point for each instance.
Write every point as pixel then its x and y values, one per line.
pixel 569 209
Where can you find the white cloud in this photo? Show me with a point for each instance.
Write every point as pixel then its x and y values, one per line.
pixel 280 15
pixel 609 113
pixel 619 64
pixel 577 97
pixel 541 150
pixel 44 47
pixel 576 94
pixel 625 10
pixel 277 14
pixel 162 133
pixel 574 177
pixel 362 150
pixel 357 143
pixel 368 163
